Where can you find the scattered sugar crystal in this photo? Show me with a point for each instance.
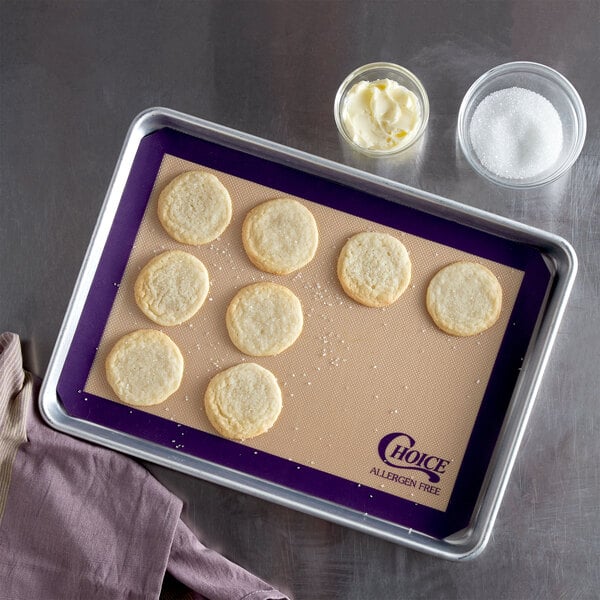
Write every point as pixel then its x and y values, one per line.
pixel 516 133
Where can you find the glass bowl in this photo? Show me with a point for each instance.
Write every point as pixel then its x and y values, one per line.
pixel 543 81
pixel 373 72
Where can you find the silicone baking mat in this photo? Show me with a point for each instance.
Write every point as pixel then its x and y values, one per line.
pixel 383 412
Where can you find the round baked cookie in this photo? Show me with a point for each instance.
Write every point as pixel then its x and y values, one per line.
pixel 171 287
pixel 464 298
pixel 243 401
pixel 263 319
pixel 280 236
pixel 374 268
pixel 194 208
pixel 144 367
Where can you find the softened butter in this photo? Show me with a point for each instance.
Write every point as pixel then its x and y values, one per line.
pixel 381 115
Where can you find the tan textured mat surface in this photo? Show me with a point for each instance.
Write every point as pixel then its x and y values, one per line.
pixel 355 373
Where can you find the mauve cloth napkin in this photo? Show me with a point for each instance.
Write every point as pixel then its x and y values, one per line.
pixel 81 521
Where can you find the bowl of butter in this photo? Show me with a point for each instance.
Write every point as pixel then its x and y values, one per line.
pixel 381 109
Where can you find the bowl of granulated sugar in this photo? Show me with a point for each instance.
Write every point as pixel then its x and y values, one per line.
pixel 521 125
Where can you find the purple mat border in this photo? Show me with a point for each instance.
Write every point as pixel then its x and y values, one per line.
pixel 263 465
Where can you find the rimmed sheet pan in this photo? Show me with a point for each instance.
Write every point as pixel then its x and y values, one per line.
pixel 389 425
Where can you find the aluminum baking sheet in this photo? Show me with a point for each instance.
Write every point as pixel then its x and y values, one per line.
pixel 389 425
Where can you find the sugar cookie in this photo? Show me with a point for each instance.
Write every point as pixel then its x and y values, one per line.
pixel 171 287
pixel 374 268
pixel 280 236
pixel 144 367
pixel 194 208
pixel 263 319
pixel 243 401
pixel 464 298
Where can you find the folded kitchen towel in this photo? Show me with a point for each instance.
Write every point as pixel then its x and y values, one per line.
pixel 81 521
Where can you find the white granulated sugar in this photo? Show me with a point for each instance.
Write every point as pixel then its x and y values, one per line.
pixel 516 133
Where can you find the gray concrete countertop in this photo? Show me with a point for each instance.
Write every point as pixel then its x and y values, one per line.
pixel 74 74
